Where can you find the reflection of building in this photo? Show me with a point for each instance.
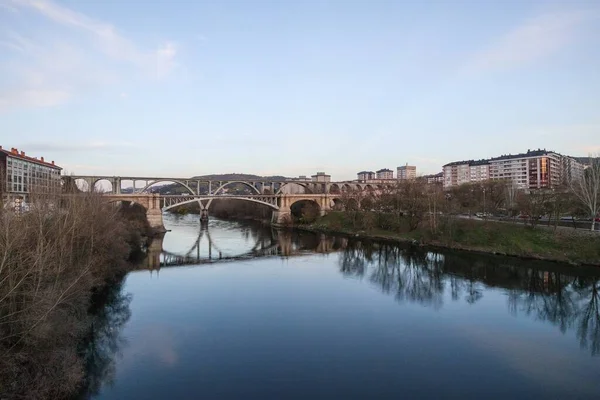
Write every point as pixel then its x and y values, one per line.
pixel 407 172
pixel 364 176
pixel 21 175
pixel 321 177
pixel 385 174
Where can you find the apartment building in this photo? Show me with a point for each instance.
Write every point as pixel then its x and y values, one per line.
pixel 364 176
pixel 385 173
pixel 572 169
pixel 321 177
pixel 460 172
pixel 407 172
pixel 535 169
pixel 22 175
pixel 434 178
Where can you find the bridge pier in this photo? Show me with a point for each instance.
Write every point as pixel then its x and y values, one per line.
pixel 154 213
pixel 204 215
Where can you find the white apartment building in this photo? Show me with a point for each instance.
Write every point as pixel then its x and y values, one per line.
pixel 21 175
pixel 460 172
pixel 535 169
pixel 532 170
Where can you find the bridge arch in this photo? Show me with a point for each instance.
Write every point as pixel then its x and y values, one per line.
pixel 210 199
pixel 346 187
pixel 95 187
pixel 308 209
pixel 167 180
pixel 241 182
pixel 306 187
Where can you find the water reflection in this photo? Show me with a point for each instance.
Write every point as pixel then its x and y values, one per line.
pixel 563 296
pixel 228 241
pixel 543 291
pixel 109 312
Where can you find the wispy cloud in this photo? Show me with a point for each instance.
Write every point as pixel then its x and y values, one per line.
pixel 68 53
pixel 534 40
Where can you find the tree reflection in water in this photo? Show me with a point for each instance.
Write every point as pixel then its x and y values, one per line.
pixel 109 311
pixel 546 292
pixel 563 296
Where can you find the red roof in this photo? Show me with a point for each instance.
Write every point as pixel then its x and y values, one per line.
pixel 21 155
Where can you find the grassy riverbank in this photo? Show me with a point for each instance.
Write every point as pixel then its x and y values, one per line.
pixel 562 244
pixel 53 259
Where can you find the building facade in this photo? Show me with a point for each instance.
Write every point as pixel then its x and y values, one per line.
pixel 407 172
pixel 321 177
pixel 434 178
pixel 364 176
pixel 535 169
pixel 22 176
pixel 572 169
pixel 385 174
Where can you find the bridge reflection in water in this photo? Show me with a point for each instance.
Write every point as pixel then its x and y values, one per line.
pixel 265 242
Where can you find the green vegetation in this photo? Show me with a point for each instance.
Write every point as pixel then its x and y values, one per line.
pixel 563 244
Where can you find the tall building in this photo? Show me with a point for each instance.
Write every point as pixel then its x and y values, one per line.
pixel 407 172
pixel 572 169
pixel 364 176
pixel 321 177
pixel 385 174
pixel 535 169
pixel 21 175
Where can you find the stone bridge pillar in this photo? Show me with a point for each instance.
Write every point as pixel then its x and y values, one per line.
pixel 283 216
pixel 90 183
pixel 116 185
pixel 325 204
pixel 154 213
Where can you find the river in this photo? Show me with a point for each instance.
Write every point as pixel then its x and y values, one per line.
pixel 237 310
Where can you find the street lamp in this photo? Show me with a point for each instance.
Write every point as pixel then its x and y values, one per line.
pixel 484 214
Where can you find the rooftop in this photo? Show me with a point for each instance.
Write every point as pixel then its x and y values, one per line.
pixel 385 170
pixel 530 153
pixel 14 152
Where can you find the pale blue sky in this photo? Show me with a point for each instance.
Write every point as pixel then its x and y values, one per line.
pixel 181 88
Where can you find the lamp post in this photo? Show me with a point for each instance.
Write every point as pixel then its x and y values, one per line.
pixel 484 214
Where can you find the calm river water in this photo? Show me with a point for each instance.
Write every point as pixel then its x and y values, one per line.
pixel 240 311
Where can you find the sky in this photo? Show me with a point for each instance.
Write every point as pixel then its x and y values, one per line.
pixel 183 88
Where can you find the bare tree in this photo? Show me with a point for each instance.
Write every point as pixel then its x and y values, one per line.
pixel 587 189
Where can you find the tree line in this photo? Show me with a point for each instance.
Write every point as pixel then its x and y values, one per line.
pixel 52 259
pixel 412 204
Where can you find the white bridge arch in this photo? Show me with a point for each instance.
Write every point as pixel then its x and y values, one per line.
pixel 170 202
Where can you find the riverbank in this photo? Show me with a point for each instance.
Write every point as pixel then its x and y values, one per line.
pixel 571 246
pixel 55 262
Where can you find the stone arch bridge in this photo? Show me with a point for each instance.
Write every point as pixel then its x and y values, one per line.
pixel 281 204
pixel 278 195
pixel 202 186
